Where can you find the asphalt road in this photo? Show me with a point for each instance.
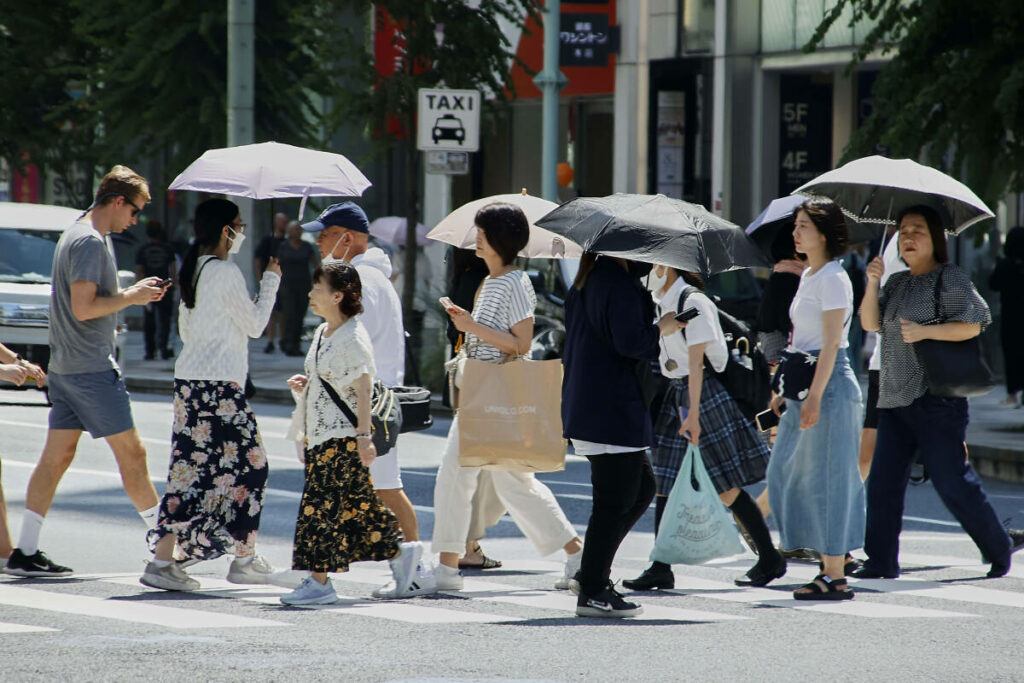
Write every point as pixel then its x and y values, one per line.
pixel 941 621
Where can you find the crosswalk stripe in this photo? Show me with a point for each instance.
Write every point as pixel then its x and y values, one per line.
pixel 143 613
pixel 24 628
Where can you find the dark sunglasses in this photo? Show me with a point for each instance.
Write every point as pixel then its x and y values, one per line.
pixel 135 210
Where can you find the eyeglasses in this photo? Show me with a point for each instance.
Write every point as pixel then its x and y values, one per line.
pixel 135 210
pixel 238 227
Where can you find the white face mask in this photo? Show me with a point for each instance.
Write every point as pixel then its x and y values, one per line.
pixel 236 241
pixel 656 280
pixel 330 258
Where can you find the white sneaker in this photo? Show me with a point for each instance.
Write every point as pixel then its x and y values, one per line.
pixel 256 571
pixel 572 565
pixel 403 567
pixel 447 578
pixel 169 578
pixel 423 583
pixel 311 592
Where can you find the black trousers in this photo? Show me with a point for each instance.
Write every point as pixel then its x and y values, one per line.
pixel 623 488
pixel 156 323
pixel 293 302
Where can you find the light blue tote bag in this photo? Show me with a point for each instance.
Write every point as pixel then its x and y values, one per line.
pixel 696 526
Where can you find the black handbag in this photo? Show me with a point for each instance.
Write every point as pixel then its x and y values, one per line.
pixel 415 405
pixel 385 410
pixel 953 369
pixel 795 374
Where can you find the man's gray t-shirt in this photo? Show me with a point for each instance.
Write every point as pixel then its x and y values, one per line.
pixel 78 346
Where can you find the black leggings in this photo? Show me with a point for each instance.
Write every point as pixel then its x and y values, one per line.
pixel 623 487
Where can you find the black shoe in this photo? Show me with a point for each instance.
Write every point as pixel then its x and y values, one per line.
pixel 20 564
pixel 653 577
pixel 866 572
pixel 998 569
pixel 149 356
pixel 763 573
pixel 167 354
pixel 269 348
pixel 608 604
pixel 1016 539
pixel 801 554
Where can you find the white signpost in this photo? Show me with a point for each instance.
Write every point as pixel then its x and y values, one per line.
pixel 449 120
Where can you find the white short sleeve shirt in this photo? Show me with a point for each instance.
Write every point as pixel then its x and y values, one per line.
pixel 827 290
pixel 702 329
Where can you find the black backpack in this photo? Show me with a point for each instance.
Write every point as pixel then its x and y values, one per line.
pixel 746 376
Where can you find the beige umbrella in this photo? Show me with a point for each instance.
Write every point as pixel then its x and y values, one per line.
pixel 457 228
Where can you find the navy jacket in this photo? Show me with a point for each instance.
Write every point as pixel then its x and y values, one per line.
pixel 608 329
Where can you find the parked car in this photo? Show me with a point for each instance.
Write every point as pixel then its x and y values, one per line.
pixel 28 238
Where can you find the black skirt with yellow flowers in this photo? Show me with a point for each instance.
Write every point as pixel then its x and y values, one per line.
pixel 341 519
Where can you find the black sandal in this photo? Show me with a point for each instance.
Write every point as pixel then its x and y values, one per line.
pixel 485 563
pixel 850 565
pixel 825 588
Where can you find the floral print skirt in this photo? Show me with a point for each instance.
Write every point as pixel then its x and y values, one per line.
pixel 218 472
pixel 341 519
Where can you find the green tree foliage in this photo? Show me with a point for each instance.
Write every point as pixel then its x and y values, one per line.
pixel 446 43
pixel 954 89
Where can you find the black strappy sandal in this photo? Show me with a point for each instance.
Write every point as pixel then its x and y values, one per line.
pixel 485 563
pixel 850 565
pixel 834 589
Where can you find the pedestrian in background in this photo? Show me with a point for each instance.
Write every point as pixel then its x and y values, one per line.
pixel 298 259
pixel 17 371
pixel 218 470
pixel 1008 280
pixel 156 259
pixel 86 387
pixel 814 486
pixel 265 250
pixel 609 322
pixel 697 409
pixel 773 324
pixel 341 520
pixel 910 418
pixel 499 328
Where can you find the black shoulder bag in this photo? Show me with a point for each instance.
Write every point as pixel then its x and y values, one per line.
pixel 385 411
pixel 953 369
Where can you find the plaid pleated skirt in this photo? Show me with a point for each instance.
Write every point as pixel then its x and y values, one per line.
pixel 733 452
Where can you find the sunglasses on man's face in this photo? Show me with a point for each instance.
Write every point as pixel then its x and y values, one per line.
pixel 135 209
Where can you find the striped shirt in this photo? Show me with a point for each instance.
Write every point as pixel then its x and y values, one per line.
pixel 912 297
pixel 503 302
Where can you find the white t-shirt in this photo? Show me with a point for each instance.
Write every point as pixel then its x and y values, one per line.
pixel 893 265
pixel 827 290
pixel 504 301
pixel 705 328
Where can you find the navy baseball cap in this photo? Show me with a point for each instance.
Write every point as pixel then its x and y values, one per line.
pixel 347 215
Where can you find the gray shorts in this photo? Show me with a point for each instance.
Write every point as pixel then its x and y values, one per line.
pixel 96 402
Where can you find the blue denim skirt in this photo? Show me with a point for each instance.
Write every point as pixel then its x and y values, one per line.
pixel 814 486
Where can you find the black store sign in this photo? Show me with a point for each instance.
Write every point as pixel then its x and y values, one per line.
pixel 805 135
pixel 584 40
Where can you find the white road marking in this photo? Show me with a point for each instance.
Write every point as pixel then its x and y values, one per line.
pixel 141 612
pixel 25 628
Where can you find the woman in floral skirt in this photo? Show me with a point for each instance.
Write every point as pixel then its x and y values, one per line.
pixel 218 470
pixel 341 520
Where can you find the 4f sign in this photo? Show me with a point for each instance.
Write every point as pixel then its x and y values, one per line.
pixel 448 120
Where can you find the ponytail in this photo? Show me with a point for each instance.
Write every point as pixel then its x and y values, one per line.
pixel 210 218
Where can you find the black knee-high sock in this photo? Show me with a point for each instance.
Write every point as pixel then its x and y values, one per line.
pixel 659 510
pixel 750 515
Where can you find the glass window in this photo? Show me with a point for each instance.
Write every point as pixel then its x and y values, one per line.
pixel 777 25
pixel 27 255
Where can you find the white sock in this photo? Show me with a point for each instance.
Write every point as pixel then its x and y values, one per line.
pixel 160 564
pixel 445 569
pixel 150 516
pixel 31 525
pixel 242 561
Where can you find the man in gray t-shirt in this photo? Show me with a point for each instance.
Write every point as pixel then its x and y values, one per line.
pixel 86 388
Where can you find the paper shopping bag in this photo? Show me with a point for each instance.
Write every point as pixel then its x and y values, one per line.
pixel 510 416
pixel 696 526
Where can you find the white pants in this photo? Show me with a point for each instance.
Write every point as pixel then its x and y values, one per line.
pixel 532 505
pixel 385 472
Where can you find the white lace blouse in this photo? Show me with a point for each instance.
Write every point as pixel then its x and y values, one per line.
pixel 343 358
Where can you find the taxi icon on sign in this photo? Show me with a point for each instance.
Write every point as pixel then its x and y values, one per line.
pixel 448 127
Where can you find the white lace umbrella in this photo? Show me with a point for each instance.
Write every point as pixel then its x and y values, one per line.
pixel 271 170
pixel 874 189
pixel 392 229
pixel 458 229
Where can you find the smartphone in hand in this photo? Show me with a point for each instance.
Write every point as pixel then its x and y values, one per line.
pixel 687 315
pixel 768 419
pixel 166 283
pixel 446 302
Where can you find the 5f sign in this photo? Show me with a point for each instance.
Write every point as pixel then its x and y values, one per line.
pixel 448 120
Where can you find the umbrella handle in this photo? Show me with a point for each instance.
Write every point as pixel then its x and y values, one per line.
pixel 302 204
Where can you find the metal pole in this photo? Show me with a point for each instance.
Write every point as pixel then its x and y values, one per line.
pixel 241 80
pixel 550 80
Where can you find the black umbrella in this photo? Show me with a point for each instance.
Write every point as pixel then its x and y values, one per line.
pixel 655 229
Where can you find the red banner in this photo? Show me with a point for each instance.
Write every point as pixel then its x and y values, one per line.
pixel 25 184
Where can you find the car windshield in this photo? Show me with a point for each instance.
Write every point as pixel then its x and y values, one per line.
pixel 26 256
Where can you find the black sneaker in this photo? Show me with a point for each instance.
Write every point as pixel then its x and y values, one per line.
pixel 20 564
pixel 654 577
pixel 167 354
pixel 608 604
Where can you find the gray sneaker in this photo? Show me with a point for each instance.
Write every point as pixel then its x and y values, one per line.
pixel 257 571
pixel 311 592
pixel 169 578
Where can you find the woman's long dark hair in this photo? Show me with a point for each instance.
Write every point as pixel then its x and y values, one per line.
pixel 587 263
pixel 210 218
